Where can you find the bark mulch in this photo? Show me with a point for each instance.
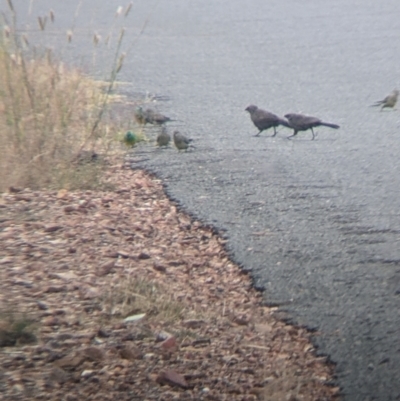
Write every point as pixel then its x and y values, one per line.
pixel 75 265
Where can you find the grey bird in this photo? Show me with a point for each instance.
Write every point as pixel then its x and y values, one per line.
pixel 389 101
pixel 300 122
pixel 149 116
pixel 152 117
pixel 181 141
pixel 264 120
pixel 163 137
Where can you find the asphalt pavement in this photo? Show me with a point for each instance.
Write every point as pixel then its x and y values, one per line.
pixel 316 222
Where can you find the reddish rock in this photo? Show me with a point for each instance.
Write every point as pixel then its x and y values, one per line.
pixel 171 378
pixel 169 344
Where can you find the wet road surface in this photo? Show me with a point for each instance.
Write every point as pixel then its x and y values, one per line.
pixel 316 222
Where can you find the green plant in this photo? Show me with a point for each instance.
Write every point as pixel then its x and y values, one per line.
pixel 15 329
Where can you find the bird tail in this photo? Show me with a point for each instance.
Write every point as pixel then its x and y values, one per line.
pixel 330 125
pixel 379 103
pixel 284 123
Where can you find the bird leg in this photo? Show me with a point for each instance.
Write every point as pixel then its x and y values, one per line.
pixel 294 134
pixel 258 133
pixel 313 135
pixel 275 132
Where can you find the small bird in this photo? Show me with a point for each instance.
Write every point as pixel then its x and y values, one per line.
pixel 264 120
pixel 300 122
pixel 163 137
pixel 149 116
pixel 140 116
pixel 180 141
pixel 130 139
pixel 152 117
pixel 389 101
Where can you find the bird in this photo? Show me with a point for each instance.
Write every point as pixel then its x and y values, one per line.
pixel 152 117
pixel 389 101
pixel 163 137
pixel 130 139
pixel 264 120
pixel 300 122
pixel 181 141
pixel 139 115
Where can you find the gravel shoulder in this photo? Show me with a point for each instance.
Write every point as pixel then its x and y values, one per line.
pixel 75 264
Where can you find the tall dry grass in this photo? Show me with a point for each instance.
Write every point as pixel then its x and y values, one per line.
pixel 50 113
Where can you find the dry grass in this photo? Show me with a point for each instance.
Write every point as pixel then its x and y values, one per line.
pixel 137 295
pixel 49 114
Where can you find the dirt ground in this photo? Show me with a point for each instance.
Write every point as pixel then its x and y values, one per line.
pixel 75 265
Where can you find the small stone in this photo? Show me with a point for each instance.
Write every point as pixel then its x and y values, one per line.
pixel 159 267
pixel 105 268
pixel 62 193
pixel 241 320
pixel 70 361
pixel 169 344
pixel 87 373
pixel 55 289
pixel 102 333
pixel 58 375
pixel 22 198
pixel 123 255
pixel 143 256
pixel 50 321
pixel 51 229
pixel 130 353
pixel 88 293
pixel 162 336
pixel 171 378
pixel 41 305
pixel 17 388
pixel 193 324
pixel 15 190
pixel 111 254
pixel 93 354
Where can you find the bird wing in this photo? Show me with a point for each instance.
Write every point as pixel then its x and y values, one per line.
pixel 264 117
pixel 300 121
